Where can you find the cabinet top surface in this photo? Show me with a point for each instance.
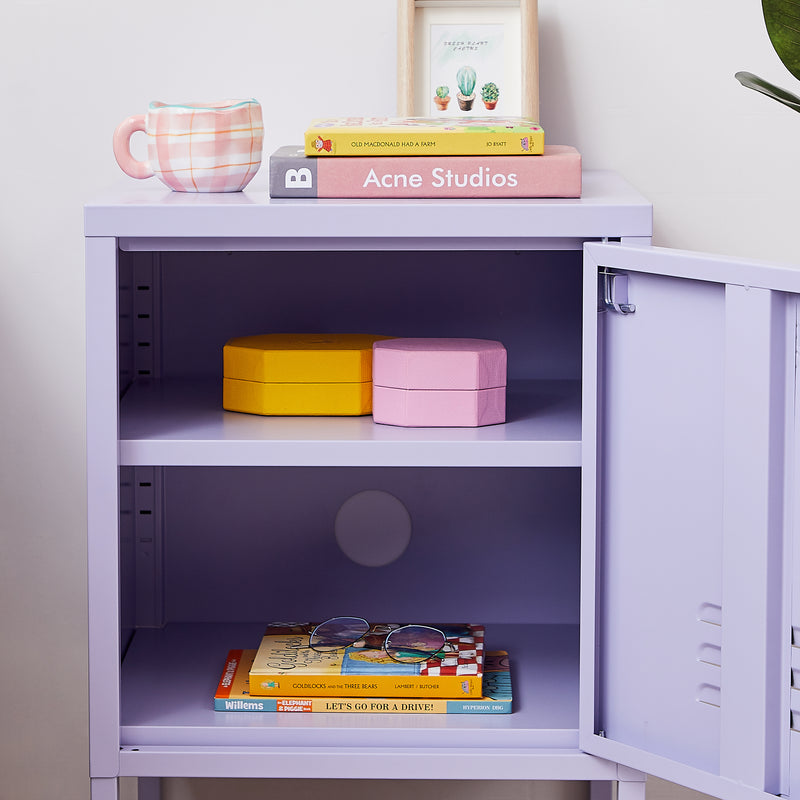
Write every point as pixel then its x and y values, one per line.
pixel 608 207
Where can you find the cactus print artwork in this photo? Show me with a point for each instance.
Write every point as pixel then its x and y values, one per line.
pixel 466 58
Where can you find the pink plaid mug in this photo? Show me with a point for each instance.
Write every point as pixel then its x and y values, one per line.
pixel 195 147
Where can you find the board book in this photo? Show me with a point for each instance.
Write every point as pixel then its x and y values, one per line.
pixel 392 136
pixel 233 694
pixel 556 173
pixel 285 665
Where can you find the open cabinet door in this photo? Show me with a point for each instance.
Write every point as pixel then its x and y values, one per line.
pixel 688 427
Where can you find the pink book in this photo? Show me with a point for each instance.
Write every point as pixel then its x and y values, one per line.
pixel 556 173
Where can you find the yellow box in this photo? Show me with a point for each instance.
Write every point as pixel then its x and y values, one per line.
pixel 299 374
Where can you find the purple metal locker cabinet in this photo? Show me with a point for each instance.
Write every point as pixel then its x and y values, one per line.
pixel 628 534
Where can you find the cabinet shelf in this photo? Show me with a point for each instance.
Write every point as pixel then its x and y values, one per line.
pixel 177 422
pixel 169 676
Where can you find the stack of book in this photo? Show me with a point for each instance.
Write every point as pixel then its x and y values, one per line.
pixel 285 675
pixel 419 157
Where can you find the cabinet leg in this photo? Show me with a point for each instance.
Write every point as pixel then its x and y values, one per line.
pixel 631 790
pixel 125 788
pixel 104 788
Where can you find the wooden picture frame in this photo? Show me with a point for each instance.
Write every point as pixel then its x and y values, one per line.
pixel 422 27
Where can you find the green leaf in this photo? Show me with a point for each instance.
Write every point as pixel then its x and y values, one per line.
pixel 769 89
pixel 783 26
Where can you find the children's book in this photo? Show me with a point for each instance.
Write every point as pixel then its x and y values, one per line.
pixel 233 694
pixel 285 666
pixel 556 173
pixel 423 136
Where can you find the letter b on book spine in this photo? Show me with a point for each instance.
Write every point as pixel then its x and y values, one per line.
pixel 292 173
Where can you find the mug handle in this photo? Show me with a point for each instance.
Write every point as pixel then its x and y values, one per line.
pixel 122 148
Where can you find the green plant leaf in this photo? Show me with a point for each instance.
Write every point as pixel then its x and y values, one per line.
pixel 782 18
pixel 769 89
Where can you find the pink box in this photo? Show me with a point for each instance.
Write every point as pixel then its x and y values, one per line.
pixel 439 382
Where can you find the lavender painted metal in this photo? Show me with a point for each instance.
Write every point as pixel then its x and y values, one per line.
pixel 103 508
pixel 691 485
pixel 144 216
pixel 170 424
pixel 693 499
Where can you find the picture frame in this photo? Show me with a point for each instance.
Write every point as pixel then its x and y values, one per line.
pixel 497 41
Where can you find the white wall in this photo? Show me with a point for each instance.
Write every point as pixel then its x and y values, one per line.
pixel 645 87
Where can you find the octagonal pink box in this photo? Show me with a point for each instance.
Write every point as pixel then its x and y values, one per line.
pixel 439 382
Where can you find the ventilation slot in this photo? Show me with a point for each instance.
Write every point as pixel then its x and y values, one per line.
pixel 145 308
pixel 148 547
pixel 794 694
pixel 709 655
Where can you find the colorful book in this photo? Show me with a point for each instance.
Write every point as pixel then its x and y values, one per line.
pixel 233 694
pixel 556 173
pixel 285 666
pixel 423 136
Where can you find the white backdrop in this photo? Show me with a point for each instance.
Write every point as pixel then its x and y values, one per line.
pixel 644 87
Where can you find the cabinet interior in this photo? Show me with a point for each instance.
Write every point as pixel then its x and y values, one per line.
pixel 530 301
pixel 253 544
pixel 211 551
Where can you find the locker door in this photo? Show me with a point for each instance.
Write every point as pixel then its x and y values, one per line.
pixel 792 570
pixel 686 644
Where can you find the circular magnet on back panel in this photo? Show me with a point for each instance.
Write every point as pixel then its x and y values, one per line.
pixel 373 528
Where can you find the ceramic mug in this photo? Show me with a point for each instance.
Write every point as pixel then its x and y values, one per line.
pixel 195 147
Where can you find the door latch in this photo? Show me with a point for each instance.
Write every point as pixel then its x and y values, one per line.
pixel 612 292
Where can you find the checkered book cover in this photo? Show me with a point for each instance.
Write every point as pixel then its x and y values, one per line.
pixel 467 660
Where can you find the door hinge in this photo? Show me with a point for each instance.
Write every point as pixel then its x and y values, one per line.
pixel 612 292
